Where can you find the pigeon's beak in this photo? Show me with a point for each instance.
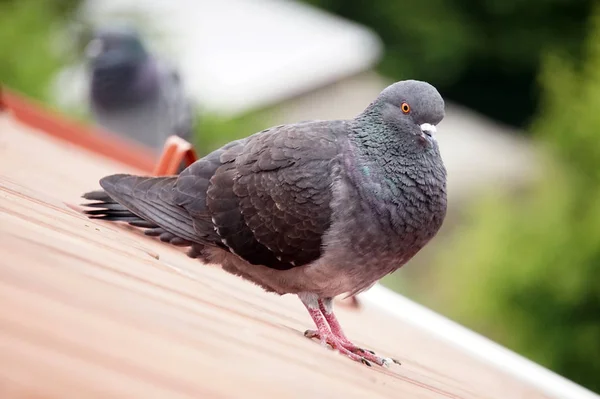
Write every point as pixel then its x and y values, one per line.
pixel 428 130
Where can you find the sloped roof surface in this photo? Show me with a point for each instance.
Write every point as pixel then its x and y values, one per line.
pixel 91 310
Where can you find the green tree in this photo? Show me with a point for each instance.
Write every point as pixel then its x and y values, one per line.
pixel 525 270
pixel 483 54
pixel 28 30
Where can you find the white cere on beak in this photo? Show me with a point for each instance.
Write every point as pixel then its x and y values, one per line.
pixel 428 129
pixel 94 48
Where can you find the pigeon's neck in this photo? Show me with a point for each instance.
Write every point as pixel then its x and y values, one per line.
pixel 386 144
pixel 383 162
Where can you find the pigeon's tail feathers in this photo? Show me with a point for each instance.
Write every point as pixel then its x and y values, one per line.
pixel 105 208
pixel 145 202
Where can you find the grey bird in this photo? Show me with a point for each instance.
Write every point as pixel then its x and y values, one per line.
pixel 132 92
pixel 317 209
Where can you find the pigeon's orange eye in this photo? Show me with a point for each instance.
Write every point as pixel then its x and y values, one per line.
pixel 405 108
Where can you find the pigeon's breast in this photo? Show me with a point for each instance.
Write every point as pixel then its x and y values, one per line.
pixel 395 218
pixel 382 219
pixel 404 197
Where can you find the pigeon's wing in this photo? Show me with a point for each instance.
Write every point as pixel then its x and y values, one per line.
pixel 270 198
pixel 265 198
pixel 191 187
pixel 150 199
pixel 160 204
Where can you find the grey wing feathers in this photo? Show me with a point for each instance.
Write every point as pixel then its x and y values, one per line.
pixel 265 198
pixel 271 199
pixel 106 208
pixel 150 198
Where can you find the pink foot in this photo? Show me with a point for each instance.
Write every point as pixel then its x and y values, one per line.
pixel 344 346
pixel 326 307
pixel 330 332
pixel 335 344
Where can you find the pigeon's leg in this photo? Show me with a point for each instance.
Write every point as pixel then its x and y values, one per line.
pixel 326 308
pixel 323 332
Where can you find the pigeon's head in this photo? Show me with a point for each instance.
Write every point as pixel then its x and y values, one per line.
pixel 411 107
pixel 115 46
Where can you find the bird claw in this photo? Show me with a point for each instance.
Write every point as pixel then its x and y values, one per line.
pixel 365 351
pixel 311 334
pixel 365 356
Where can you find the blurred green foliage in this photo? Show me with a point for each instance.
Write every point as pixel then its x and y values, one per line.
pixel 29 57
pixel 484 54
pixel 213 131
pixel 526 270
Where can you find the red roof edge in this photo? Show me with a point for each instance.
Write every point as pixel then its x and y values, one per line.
pixel 93 139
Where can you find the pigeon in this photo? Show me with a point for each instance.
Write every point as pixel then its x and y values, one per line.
pixel 316 209
pixel 133 93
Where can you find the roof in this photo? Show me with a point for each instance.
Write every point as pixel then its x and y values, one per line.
pixel 239 55
pixel 90 309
